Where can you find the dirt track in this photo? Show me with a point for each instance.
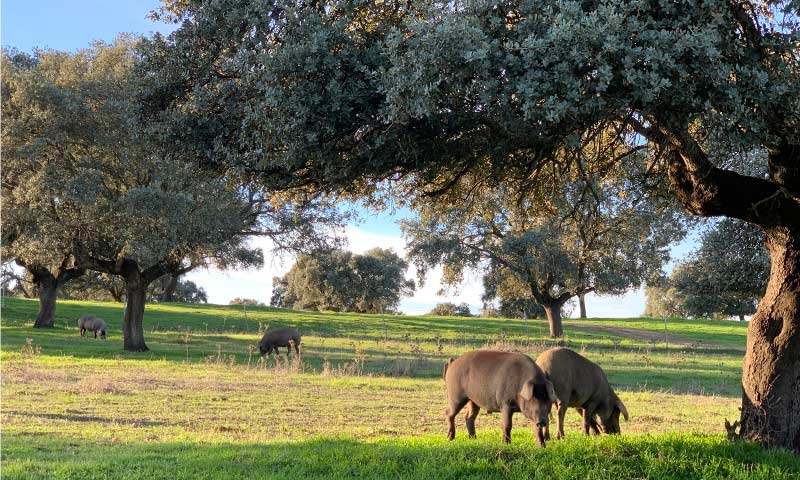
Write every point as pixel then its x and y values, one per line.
pixel 650 337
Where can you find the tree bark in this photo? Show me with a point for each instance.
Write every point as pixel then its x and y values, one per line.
pixel 582 303
pixel 48 290
pixel 169 290
pixel 741 318
pixel 553 311
pixel 771 370
pixel 132 327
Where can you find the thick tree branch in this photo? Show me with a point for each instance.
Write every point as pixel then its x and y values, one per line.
pixel 707 190
pixel 717 192
pixel 784 167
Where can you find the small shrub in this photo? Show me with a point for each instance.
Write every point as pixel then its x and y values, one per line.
pixel 29 350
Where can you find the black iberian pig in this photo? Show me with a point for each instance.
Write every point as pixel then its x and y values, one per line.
pixel 280 337
pixel 502 382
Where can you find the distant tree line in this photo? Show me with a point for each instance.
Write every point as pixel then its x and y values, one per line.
pixel 101 287
pixel 448 309
pixel 245 302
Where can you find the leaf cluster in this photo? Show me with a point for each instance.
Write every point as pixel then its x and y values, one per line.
pixel 342 281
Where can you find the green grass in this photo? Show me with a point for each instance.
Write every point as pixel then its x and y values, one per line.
pixel 663 457
pixel 83 408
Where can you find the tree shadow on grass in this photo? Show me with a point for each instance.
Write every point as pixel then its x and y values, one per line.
pixel 76 417
pixel 427 457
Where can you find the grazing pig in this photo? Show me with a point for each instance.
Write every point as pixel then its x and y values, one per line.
pixel 93 324
pixel 497 382
pixel 279 338
pixel 582 384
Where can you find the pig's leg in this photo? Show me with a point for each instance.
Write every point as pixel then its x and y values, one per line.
pixel 472 412
pixel 562 412
pixel 588 413
pixel 297 348
pixel 506 413
pixel 452 411
pixel 593 426
pixel 592 423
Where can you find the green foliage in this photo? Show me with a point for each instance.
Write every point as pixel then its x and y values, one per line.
pixel 186 291
pixel 100 287
pixel 448 309
pixel 83 183
pixel 87 185
pixel 725 277
pixel 245 301
pixel 662 302
pixel 515 300
pixel 355 93
pixel 104 287
pixel 342 281
pixel 598 233
pixel 280 285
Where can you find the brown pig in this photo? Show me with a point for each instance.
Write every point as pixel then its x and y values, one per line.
pixel 92 324
pixel 582 384
pixel 502 382
pixel 280 337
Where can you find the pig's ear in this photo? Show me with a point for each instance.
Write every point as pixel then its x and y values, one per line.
pixel 527 390
pixel 622 409
pixel 551 392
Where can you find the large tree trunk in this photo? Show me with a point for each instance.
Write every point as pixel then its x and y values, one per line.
pixel 582 303
pixel 771 371
pixel 553 311
pixel 132 327
pixel 48 290
pixel 169 290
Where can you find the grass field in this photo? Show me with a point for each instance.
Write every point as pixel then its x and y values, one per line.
pixel 365 400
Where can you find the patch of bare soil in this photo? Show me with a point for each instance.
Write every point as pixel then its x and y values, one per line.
pixel 650 337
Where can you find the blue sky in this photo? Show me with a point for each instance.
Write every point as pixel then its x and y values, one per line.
pixel 72 25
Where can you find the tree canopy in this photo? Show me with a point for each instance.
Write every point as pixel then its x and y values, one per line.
pixel 598 232
pixel 725 277
pixel 86 186
pixel 449 309
pixel 342 281
pixel 513 296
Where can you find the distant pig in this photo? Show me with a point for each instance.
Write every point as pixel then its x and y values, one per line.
pixel 497 382
pixel 582 384
pixel 279 338
pixel 93 324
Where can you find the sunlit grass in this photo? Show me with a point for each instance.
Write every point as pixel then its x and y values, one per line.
pixel 366 401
